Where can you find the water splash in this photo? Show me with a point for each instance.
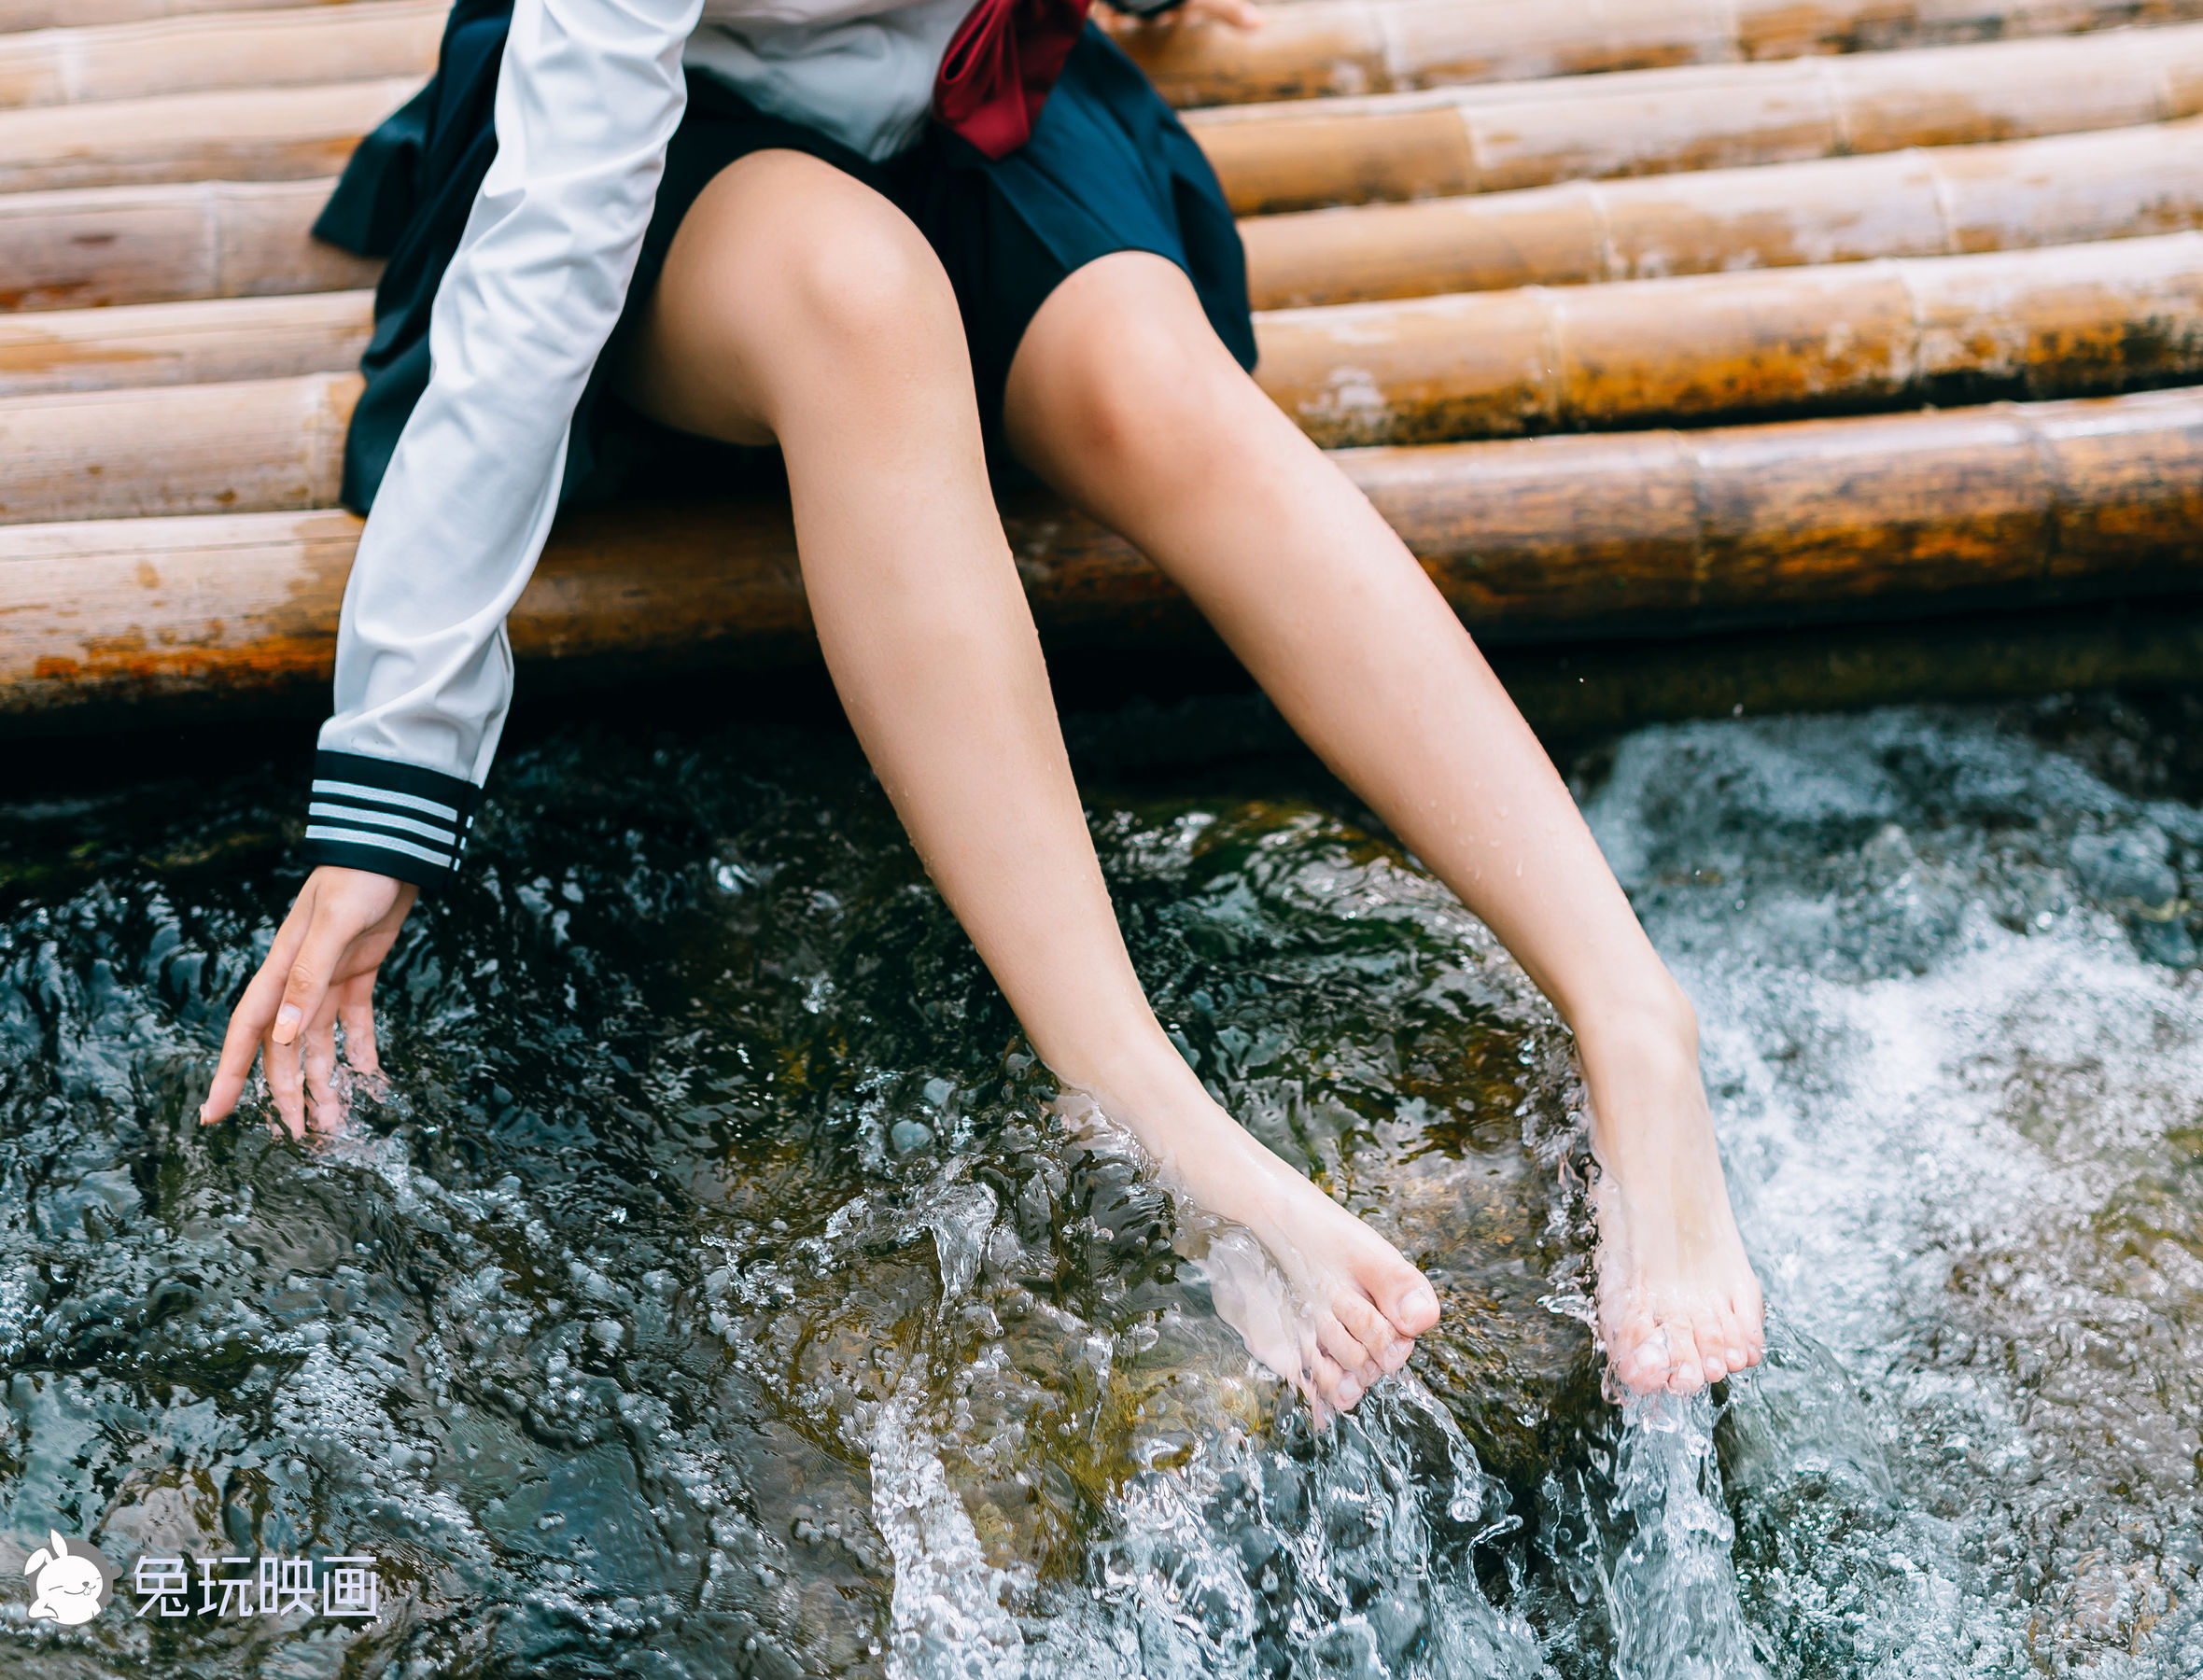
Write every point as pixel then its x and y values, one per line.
pixel 1672 1593
pixel 1346 1548
pixel 948 1620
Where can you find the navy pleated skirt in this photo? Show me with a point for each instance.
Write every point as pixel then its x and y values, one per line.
pixel 1109 168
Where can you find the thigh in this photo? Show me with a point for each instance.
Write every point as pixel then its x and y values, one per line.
pixel 784 269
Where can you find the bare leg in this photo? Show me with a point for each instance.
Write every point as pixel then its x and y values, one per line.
pixel 1125 400
pixel 798 306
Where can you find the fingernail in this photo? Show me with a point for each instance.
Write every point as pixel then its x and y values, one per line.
pixel 1349 1391
pixel 287 1023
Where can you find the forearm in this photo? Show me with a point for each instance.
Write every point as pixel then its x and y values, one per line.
pixel 588 96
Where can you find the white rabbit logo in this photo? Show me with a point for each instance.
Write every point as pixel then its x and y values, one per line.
pixel 72 1586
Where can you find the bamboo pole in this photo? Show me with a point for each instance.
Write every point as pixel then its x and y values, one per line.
pixel 1331 48
pixel 2065 321
pixel 18 15
pixel 273 134
pixel 1643 533
pixel 2013 195
pixel 222 49
pixel 1314 49
pixel 1768 28
pixel 2009 195
pixel 1293 157
pixel 108 245
pixel 274 444
pixel 182 343
pixel 1305 156
pixel 137 244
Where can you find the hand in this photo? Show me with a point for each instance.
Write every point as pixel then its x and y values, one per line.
pixel 1240 14
pixel 320 970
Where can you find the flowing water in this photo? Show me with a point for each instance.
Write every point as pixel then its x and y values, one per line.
pixel 714 1288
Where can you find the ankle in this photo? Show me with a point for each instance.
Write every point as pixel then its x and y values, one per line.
pixel 1650 1034
pixel 1648 1098
pixel 1148 1090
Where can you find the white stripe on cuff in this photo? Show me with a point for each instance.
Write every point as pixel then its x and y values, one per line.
pixel 344 813
pixel 410 801
pixel 352 836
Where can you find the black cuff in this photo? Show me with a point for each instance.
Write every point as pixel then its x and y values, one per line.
pixel 386 817
pixel 1141 8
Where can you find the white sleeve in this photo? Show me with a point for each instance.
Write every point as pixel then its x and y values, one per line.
pixel 588 96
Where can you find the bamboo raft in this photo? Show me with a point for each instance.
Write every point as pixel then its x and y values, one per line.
pixel 1633 316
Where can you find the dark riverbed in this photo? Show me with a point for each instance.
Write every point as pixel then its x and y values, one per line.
pixel 711 1291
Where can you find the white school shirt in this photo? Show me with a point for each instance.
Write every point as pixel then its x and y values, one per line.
pixel 588 96
pixel 860 70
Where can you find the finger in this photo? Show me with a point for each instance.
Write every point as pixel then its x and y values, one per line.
pixel 355 1012
pixel 318 1059
pixel 308 984
pixel 249 1024
pixel 249 1021
pixel 285 1084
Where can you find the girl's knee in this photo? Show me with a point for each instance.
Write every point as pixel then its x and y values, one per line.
pixel 865 281
pixel 1130 376
pixel 803 257
pixel 790 283
pixel 1140 400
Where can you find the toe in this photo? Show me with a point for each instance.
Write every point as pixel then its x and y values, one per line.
pixel 1742 1336
pixel 1748 1312
pixel 1388 1350
pixel 1345 1351
pixel 1686 1365
pixel 1711 1337
pixel 1413 1304
pixel 1324 1379
pixel 1650 1363
pixel 1635 1350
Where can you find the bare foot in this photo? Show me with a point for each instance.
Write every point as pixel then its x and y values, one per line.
pixel 1352 1305
pixel 1678 1307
